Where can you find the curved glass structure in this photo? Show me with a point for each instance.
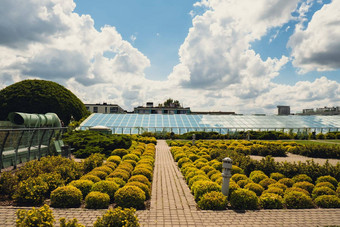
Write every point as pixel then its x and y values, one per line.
pixel 224 124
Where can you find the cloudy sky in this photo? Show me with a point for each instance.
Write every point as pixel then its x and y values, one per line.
pixel 246 56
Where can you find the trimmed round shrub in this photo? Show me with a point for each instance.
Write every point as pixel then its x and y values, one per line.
pixel 203 187
pixel 120 173
pixel 105 186
pixel 277 176
pixel 325 184
pixel 97 200
pixel 286 181
pixel 278 185
pixel 144 166
pixel 213 201
pixel 199 165
pixel 140 178
pixel 238 176
pixel 83 185
pixel 179 155
pixel 119 152
pixel 105 169
pixel 258 189
pixel 31 191
pixel 301 178
pixel 132 162
pixel 232 187
pixel 35 217
pixel 338 191
pixel 256 172
pixel 217 166
pixel 271 201
pixel 66 197
pixel 197 178
pixel 130 196
pixel 182 161
pixel 298 190
pixel 92 178
pixel 207 169
pixel 144 172
pixel 297 200
pixel 115 159
pixel 266 182
pixel 236 169
pixel 258 177
pixel 98 173
pixel 124 165
pixel 304 185
pixel 322 191
pixel 212 172
pixel 118 218
pixel 117 180
pixel 216 176
pixel 142 186
pixel 53 180
pixel 329 179
pixel 327 201
pixel 131 157
pixel 243 183
pixel 244 199
pixel 274 190
pixel 111 165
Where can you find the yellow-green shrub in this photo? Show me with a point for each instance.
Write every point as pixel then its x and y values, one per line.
pixel 322 191
pixel 105 169
pixel 274 190
pixel 327 178
pixel 140 178
pixel 31 191
pixel 142 186
pixel 144 172
pixel 327 201
pixel 118 218
pixel 97 173
pixel 297 189
pixel 35 217
pixel 304 185
pixel 244 199
pixel 92 178
pixel 66 197
pixel 97 200
pixel 117 180
pixel 297 200
pixel 258 189
pixel 213 201
pixel 301 178
pixel 70 223
pixel 287 181
pixel 83 185
pixel 115 159
pixel 325 184
pixel 238 176
pixel 203 187
pixel 271 201
pixel 266 182
pixel 120 173
pixel 108 187
pixel 119 152
pixel 277 176
pixel 130 196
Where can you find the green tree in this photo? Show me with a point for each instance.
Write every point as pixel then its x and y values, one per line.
pixel 40 96
pixel 171 103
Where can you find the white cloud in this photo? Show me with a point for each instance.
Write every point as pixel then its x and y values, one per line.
pixel 317 47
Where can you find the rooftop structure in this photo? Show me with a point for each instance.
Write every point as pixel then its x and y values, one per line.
pixel 283 110
pixel 172 108
pixel 322 111
pixel 104 108
pixel 224 124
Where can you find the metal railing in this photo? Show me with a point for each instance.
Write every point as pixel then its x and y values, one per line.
pixel 24 144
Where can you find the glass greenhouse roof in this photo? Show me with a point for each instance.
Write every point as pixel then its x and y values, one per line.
pixel 182 123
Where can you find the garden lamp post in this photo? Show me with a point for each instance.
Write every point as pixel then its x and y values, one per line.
pixel 226 174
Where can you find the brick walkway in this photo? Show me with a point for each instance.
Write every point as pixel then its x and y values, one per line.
pixel 173 205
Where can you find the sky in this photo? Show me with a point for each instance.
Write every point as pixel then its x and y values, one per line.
pixel 246 56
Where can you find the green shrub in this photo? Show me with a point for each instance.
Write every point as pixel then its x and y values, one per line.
pixel 238 176
pixel 179 155
pixel 66 197
pixel 212 172
pixel 98 173
pixel 327 201
pixel 70 223
pixel 120 173
pixel 213 201
pixel 142 186
pixel 266 182
pixel 205 186
pixel 243 183
pixel 92 178
pixel 144 172
pixel 236 169
pixel 325 184
pixel 8 183
pixel 287 181
pixel 197 178
pixel 322 191
pixel 124 165
pixel 304 185
pixel 258 177
pixel 297 200
pixel 258 189
pixel 35 217
pixel 108 187
pixel 271 201
pixel 83 185
pixel 115 159
pixel 217 166
pixel 104 169
pixel 120 152
pixel 232 187
pixel 117 180
pixel 53 180
pixel 111 165
pixel 144 166
pixel 31 191
pixel 329 179
pixel 130 196
pixel 278 185
pixel 274 190
pixel 338 191
pixel 132 162
pixel 244 199
pixel 277 176
pixel 97 200
pixel 256 172
pixel 182 161
pixel 118 218
pixel 140 178
pixel 131 157
pixel 301 178
pixel 298 190
pixel 93 161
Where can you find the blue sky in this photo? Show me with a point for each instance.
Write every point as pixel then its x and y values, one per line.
pixel 215 55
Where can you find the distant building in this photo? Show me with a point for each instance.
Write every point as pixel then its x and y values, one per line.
pixel 104 108
pixel 150 109
pixel 283 110
pixel 212 113
pixel 322 111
